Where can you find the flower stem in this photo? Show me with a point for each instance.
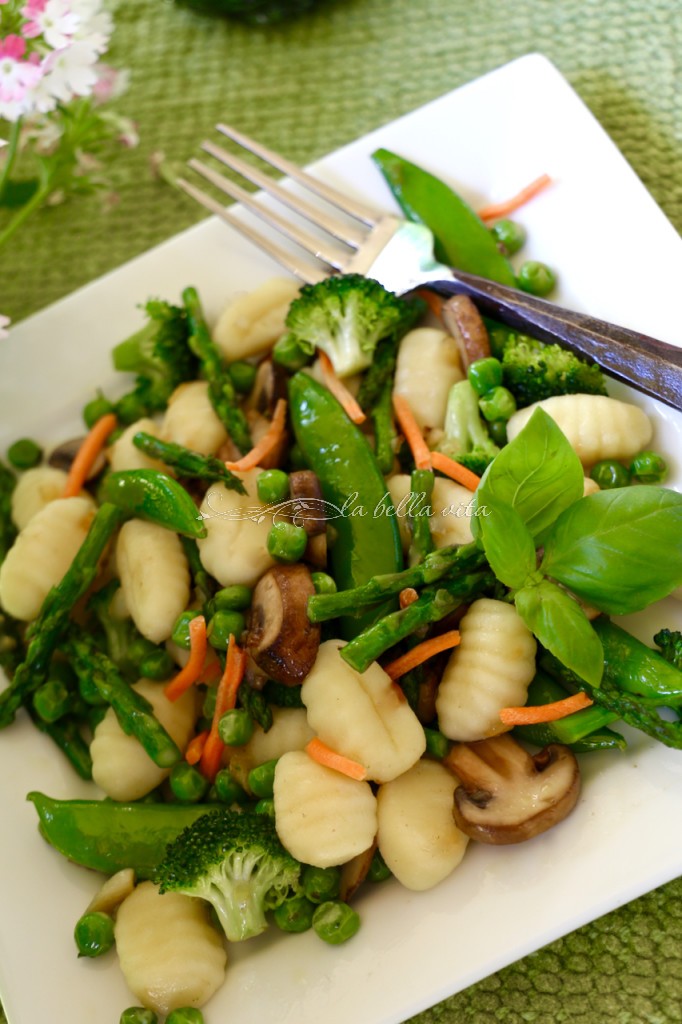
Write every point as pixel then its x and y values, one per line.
pixel 33 204
pixel 12 151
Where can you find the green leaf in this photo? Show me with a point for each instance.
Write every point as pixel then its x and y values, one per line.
pixel 619 550
pixel 560 624
pixel 508 544
pixel 537 473
pixel 18 193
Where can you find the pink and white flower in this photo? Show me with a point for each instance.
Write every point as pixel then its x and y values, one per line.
pixel 53 20
pixel 18 77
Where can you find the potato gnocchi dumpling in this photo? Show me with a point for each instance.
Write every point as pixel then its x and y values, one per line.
pixel 417 835
pixel 322 817
pixel 170 954
pixel 191 420
pixel 428 365
pixel 251 323
pixel 362 715
pixel 235 548
pixel 123 454
pixel 41 554
pixel 120 765
pixel 490 670
pixel 35 489
pixel 596 426
pixel 154 577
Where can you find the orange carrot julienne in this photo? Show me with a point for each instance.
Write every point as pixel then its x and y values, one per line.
pixel 433 301
pixel 339 390
pixel 407 597
pixel 412 431
pixel 189 675
pixel 87 453
pixel 195 747
pixel 270 439
pixel 324 755
pixel 503 209
pixel 546 712
pixel 226 699
pixel 421 653
pixel 455 470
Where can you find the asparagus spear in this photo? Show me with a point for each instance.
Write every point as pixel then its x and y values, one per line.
pixel 67 736
pixel 433 604
pixel 379 374
pixel 384 431
pixel 134 712
pixel 421 489
pixel 449 561
pixel 203 582
pixel 46 631
pixel 221 390
pixel 187 462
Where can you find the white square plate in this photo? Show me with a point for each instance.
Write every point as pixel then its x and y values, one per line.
pixel 618 258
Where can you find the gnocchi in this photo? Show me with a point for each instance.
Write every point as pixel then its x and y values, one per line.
pixel 491 669
pixel 428 365
pixel 154 576
pixel 364 716
pixel 191 420
pixel 596 426
pixel 41 554
pixel 417 834
pixel 235 548
pixel 322 818
pixel 123 454
pixel 35 489
pixel 170 954
pixel 251 323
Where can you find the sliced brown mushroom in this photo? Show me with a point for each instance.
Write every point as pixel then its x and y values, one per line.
pixel 463 321
pixel 63 455
pixel 281 638
pixel 354 872
pixel 269 386
pixel 507 796
pixel 307 504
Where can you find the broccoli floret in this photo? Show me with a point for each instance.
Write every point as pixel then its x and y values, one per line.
pixel 669 641
pixel 466 438
pixel 347 316
pixel 159 354
pixel 132 653
pixel 533 371
pixel 237 863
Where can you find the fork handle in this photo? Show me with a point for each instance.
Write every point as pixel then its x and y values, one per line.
pixel 651 366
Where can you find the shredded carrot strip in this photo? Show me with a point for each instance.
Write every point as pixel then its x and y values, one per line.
pixel 546 712
pixel 339 390
pixel 212 669
pixel 421 653
pixel 495 210
pixel 455 470
pixel 324 755
pixel 189 675
pixel 87 453
pixel 195 747
pixel 407 597
pixel 226 699
pixel 270 439
pixel 433 301
pixel 412 431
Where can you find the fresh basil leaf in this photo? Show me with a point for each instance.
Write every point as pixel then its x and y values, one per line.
pixel 560 624
pixel 537 473
pixel 619 550
pixel 508 544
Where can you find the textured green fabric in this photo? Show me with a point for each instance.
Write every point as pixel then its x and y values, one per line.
pixel 307 88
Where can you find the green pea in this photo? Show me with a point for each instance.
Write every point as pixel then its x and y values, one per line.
pixel 157 665
pixel 242 375
pixel 180 634
pixel 272 486
pixel 52 700
pixel 437 745
pixel 228 790
pixel 222 625
pixel 236 727
pixel 321 884
pixel 535 278
pixel 185 1015
pixel 261 779
pixel 266 807
pixel 509 235
pixel 288 353
pixel 233 599
pixel 498 404
pixel 485 374
pixel 187 783
pixel 94 934
pixel 287 542
pixel 323 583
pixel 335 922
pixel 609 474
pixel 294 915
pixel 24 454
pixel 649 468
pixel 498 432
pixel 95 409
pixel 378 869
pixel 138 1015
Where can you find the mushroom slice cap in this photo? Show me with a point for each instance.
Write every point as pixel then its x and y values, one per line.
pixel 464 322
pixel 505 795
pixel 281 639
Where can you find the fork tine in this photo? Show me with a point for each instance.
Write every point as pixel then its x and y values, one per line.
pixel 350 206
pixel 302 268
pixel 345 231
pixel 329 253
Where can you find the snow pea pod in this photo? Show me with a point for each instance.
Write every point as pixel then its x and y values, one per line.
pixel 461 238
pixel 635 668
pixel 155 496
pixel 583 731
pixel 367 540
pixel 108 836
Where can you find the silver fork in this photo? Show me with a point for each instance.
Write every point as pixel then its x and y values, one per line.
pixel 399 254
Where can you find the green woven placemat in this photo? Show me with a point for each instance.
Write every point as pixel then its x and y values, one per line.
pixel 307 88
